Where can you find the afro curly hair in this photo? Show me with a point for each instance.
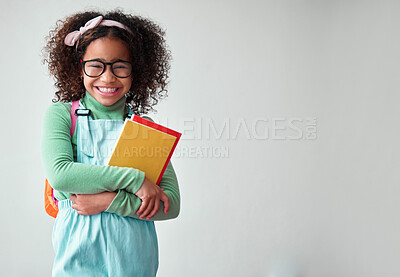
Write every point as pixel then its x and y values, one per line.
pixel 147 47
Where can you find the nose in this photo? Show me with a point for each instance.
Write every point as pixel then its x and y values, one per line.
pixel 107 75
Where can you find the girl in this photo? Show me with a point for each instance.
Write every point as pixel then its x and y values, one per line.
pixel 115 64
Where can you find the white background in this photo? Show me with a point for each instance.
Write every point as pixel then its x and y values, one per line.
pixel 278 203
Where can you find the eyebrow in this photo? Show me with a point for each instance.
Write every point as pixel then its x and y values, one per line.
pixel 105 61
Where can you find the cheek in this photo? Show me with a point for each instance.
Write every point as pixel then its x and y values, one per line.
pixel 129 83
pixel 87 83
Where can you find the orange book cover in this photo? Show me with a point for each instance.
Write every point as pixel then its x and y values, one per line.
pixel 145 145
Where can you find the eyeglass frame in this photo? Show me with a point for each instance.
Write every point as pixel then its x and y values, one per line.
pixel 104 68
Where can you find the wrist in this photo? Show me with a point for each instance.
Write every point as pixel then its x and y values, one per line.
pixel 139 181
pixel 111 196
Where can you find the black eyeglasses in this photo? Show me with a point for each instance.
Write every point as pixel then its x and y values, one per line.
pixel 94 68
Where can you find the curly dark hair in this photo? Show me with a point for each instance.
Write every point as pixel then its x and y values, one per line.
pixel 147 47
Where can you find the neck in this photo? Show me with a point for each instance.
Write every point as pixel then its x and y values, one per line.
pixel 99 111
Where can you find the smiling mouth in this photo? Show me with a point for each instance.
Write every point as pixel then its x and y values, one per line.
pixel 107 91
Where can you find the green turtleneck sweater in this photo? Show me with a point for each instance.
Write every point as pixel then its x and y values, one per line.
pixel 58 152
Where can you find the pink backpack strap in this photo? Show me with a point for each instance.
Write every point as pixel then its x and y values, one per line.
pixel 74 107
pixel 54 199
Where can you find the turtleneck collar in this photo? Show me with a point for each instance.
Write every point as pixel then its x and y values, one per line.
pixel 99 111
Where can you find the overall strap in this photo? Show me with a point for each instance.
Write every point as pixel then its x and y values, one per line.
pixel 74 107
pixel 129 114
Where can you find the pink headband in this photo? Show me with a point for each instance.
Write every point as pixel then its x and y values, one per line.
pixel 75 36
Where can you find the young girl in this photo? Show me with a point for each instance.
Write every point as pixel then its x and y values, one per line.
pixel 115 64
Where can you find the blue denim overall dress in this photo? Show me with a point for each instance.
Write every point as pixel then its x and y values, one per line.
pixel 104 244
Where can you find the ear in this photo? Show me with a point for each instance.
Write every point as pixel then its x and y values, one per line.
pixel 82 72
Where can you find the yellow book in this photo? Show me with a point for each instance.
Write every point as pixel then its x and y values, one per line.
pixel 145 145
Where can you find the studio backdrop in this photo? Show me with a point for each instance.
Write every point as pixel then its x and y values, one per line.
pixel 288 164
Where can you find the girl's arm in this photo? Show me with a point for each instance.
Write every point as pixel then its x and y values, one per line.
pixel 67 176
pixel 127 204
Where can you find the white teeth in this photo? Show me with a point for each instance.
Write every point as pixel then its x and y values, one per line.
pixel 107 90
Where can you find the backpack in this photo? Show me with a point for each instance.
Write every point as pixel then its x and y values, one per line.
pixel 50 202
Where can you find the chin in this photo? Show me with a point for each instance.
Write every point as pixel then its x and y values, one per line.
pixel 108 102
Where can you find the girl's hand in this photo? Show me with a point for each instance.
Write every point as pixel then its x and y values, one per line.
pixel 89 204
pixel 151 195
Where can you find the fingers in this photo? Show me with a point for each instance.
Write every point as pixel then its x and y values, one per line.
pixel 151 195
pixel 77 205
pixel 74 206
pixel 165 199
pixel 74 199
pixel 143 206
pixel 150 207
pixel 155 209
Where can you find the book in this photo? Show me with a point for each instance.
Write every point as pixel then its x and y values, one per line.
pixel 145 145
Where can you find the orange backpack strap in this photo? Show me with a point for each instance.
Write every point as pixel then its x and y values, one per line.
pixel 50 202
pixel 49 205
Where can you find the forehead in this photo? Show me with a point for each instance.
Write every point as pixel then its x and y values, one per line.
pixel 107 49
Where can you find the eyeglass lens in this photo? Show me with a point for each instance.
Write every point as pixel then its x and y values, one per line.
pixel 96 68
